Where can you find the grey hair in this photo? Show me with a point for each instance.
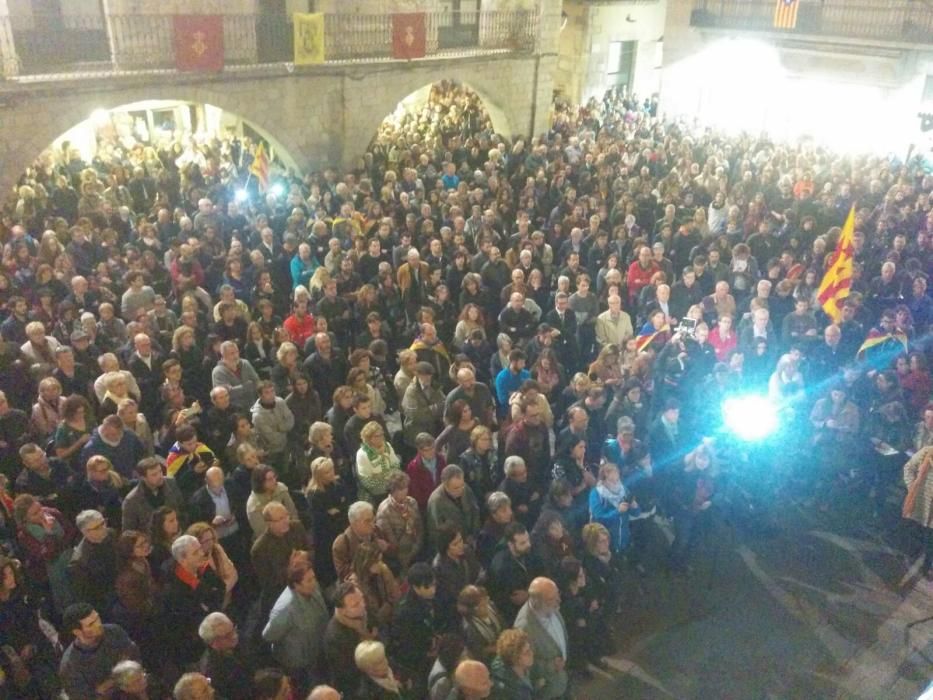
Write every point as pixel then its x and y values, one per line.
pixel 123 672
pixel 497 500
pixel 184 688
pixel 207 630
pixel 511 463
pixel 87 518
pixel 358 510
pixel 183 545
pixel 451 471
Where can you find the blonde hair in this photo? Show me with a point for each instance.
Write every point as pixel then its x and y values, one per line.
pixel 368 653
pixel 318 464
pixel 591 534
pixel 370 429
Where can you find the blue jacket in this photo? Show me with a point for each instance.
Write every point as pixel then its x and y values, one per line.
pixel 506 383
pixel 606 514
pixel 301 274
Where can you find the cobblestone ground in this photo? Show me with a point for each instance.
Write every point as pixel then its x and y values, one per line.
pixel 817 607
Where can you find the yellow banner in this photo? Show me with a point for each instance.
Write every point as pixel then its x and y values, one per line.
pixel 309 38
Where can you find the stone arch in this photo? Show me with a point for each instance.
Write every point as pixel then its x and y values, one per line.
pixel 370 101
pixel 28 136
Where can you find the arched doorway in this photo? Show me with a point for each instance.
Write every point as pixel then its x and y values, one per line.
pixel 161 136
pixel 443 110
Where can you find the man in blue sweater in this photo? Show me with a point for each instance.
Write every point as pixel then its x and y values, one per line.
pixel 96 649
pixel 510 379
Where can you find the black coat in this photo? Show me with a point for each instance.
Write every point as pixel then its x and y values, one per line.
pixel 185 607
pixel 412 633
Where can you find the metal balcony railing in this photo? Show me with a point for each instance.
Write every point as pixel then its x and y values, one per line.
pixel 36 45
pixel 903 21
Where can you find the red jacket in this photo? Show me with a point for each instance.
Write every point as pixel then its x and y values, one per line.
pixel 299 331
pixel 423 482
pixel 638 278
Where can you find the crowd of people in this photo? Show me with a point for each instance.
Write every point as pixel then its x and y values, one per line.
pixel 408 431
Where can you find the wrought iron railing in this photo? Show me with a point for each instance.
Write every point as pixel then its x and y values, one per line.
pixel 36 45
pixel 909 21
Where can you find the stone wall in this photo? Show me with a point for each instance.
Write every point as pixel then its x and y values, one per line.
pixel 323 115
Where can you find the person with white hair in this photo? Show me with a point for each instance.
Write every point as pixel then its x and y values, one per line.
pixel 361 531
pixel 131 681
pixel 229 667
pixel 193 686
pixel 92 570
pixel 541 620
pixel 192 589
pixel 378 679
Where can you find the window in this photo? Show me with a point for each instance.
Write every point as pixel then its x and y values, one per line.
pixel 621 65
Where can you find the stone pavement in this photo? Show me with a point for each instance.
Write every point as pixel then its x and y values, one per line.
pixel 816 608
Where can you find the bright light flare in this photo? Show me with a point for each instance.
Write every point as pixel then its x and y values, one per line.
pixel 277 190
pixel 242 195
pixel 750 417
pixel 100 117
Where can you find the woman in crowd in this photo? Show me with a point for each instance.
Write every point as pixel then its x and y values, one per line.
pixel 375 461
pixel 216 558
pixel 258 350
pixel 266 488
pixel 44 537
pixel 399 521
pixel 612 506
pixel 323 444
pixel 551 542
pixel 30 658
pixel 454 440
pixel 482 623
pixel 480 462
pixel 377 582
pixel 511 669
pixel 455 567
pixel 329 499
pixel 378 682
pixel 164 529
pixel 136 609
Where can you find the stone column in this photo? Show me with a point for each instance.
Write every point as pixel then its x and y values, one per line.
pixel 9 62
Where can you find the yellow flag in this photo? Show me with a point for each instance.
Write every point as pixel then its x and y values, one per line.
pixel 309 38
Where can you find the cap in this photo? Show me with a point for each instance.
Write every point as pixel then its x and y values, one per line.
pixel 78 335
pixel 424 368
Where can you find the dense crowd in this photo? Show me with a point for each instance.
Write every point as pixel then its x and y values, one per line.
pixel 408 431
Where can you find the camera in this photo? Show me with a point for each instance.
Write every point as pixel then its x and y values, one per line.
pixel 687 327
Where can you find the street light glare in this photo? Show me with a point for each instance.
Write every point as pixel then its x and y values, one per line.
pixel 750 417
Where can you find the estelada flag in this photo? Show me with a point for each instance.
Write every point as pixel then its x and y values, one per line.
pixel 199 42
pixel 785 14
pixel 259 168
pixel 408 35
pixel 838 276
pixel 309 38
pixel 647 334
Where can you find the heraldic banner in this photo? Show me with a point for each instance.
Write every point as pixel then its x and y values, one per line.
pixel 408 35
pixel 199 42
pixel 309 38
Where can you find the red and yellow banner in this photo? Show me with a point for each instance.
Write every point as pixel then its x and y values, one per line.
pixel 199 42
pixel 785 14
pixel 838 276
pixel 409 37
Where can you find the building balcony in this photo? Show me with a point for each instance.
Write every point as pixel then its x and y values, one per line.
pixel 891 21
pixel 37 48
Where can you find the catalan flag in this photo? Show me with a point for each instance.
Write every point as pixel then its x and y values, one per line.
pixel 838 276
pixel 648 334
pixel 260 167
pixel 785 14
